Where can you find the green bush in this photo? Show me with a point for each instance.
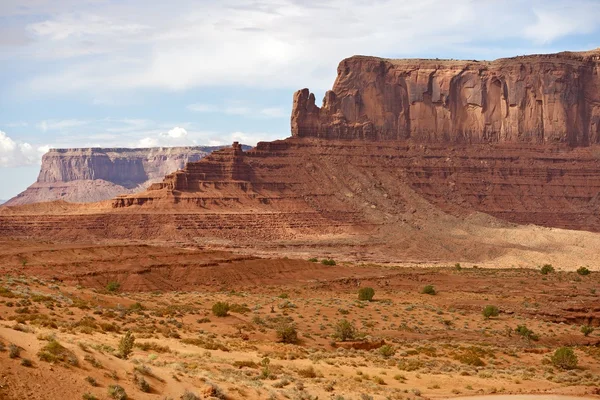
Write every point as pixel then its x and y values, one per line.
pixel 313 260
pixel 14 351
pixel 564 358
pixel 387 351
pixel 526 333
pixel 429 289
pixel 126 345
pixel 490 311
pixel 113 286
pixel 345 330
pixel 546 269
pixel 583 271
pixel 366 293
pixel 287 333
pixel 587 330
pixel 327 261
pixel 220 309
pixel 457 266
pixel 117 392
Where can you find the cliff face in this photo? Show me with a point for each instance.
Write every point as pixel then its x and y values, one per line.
pixel 536 99
pixel 95 174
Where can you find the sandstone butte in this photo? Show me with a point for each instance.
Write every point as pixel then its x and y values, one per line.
pixel 95 174
pixel 409 157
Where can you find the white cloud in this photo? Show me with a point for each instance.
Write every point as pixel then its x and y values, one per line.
pixel 279 43
pixel 14 154
pixel 174 137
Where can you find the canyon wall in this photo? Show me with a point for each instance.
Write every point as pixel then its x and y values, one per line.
pixel 95 174
pixel 535 99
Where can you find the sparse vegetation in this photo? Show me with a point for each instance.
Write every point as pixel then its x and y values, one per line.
pixel 126 345
pixel 564 358
pixel 387 351
pixel 117 392
pixel 366 293
pixel 490 311
pixel 429 289
pixel 220 309
pixel 547 269
pixel 287 333
pixel 113 286
pixel 345 330
pixel 328 261
pixel 526 333
pixel 587 330
pixel 14 351
pixel 583 271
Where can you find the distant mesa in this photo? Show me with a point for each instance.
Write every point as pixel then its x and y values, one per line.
pixel 96 174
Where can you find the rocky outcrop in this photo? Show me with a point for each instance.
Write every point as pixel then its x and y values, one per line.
pixel 536 99
pixel 95 174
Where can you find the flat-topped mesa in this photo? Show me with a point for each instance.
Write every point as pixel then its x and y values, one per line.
pixel 223 165
pixel 553 98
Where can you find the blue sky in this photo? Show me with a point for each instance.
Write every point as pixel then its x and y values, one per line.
pixel 79 73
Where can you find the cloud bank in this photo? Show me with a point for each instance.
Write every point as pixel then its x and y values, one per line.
pixel 16 154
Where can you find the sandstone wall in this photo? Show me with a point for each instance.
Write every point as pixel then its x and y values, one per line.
pixel 537 99
pixel 95 174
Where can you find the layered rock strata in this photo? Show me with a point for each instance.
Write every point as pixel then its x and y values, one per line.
pixel 537 99
pixel 95 174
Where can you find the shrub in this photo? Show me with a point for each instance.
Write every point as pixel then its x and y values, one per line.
pixel 526 333
pixel 546 269
pixel 126 345
pixel 583 271
pixel 490 311
pixel 189 396
pixel 117 392
pixel 457 266
pixel 429 289
pixel 113 286
pixel 387 351
pixel 55 352
pixel 564 358
pixel 14 351
pixel 308 372
pixel 91 381
pixel 141 383
pixel 366 293
pixel 328 261
pixel 345 330
pixel 220 309
pixel 287 333
pixel 587 330
pixel 89 396
pixel 313 260
pixel 26 362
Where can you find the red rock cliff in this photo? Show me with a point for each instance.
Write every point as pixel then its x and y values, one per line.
pixel 537 99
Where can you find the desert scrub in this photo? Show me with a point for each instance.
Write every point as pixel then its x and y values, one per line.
pixel 55 352
pixel 526 333
pixel 14 351
pixel 328 261
pixel 429 289
pixel 366 293
pixel 150 346
pixel 220 309
pixel 308 372
pixel 564 358
pixel 141 383
pixel 91 381
pixel 126 345
pixel 583 271
pixel 547 269
pixel 587 330
pixel 387 351
pixel 344 330
pixel 490 311
pixel 187 395
pixel 117 392
pixel 113 286
pixel 287 333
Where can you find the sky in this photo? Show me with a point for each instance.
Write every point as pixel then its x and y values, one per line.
pixel 139 73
